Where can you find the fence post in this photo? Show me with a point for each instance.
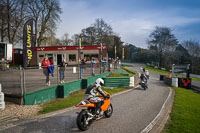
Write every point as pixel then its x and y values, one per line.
pixel 57 76
pixel 24 81
pixel 100 67
pixel 22 86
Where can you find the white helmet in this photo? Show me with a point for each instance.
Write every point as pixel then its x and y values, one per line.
pixel 99 82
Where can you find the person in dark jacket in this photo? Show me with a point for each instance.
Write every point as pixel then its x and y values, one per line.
pixel 63 65
pixel 82 65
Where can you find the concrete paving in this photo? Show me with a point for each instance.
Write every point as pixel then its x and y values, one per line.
pixel 12 81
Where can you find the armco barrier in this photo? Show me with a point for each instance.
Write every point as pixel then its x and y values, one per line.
pixel 168 81
pixel 40 96
pixel 116 81
pixel 59 91
pixel 91 80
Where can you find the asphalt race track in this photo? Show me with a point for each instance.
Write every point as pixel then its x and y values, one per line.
pixel 133 111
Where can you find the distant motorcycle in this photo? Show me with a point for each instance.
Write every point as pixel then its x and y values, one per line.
pixel 143 81
pixel 87 116
pixel 144 84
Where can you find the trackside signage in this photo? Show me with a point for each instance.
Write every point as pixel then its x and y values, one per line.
pixel 28 42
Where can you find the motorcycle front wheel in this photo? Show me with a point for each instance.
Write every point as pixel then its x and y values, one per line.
pixel 81 121
pixel 109 111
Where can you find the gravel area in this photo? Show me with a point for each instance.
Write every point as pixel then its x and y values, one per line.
pixel 20 111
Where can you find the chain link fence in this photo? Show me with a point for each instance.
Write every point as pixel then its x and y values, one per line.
pixel 19 81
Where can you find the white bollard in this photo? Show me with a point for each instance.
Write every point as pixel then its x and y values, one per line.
pixel 40 65
pixel 132 81
pixel 1 96
pixel 74 70
pixel 2 103
pixel 175 82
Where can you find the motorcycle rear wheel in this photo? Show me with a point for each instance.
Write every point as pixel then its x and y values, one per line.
pixel 82 121
pixel 108 113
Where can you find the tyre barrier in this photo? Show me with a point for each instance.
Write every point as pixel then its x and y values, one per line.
pixel 178 82
pixel 116 81
pixel 2 102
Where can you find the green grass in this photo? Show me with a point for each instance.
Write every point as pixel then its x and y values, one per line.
pixel 156 70
pixel 116 75
pixel 127 65
pixel 59 104
pixel 120 72
pixel 162 72
pixel 185 115
pixel 130 71
pixel 70 101
pixel 196 79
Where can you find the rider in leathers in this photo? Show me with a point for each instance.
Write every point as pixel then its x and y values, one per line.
pixel 92 91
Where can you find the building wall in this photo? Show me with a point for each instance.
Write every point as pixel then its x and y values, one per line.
pixel 66 53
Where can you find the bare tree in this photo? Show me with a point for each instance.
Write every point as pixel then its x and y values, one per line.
pixel 46 14
pixel 163 42
pixel 13 15
pixel 193 47
pixel 2 21
pixel 65 40
pixel 98 32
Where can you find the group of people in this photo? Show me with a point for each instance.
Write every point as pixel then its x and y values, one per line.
pixel 48 67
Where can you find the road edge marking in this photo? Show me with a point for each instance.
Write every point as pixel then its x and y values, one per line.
pixel 155 120
pixel 11 125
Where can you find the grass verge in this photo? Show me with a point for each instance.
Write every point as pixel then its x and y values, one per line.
pixel 156 70
pixel 127 65
pixel 123 73
pixel 185 113
pixel 116 75
pixel 162 72
pixel 71 100
pixel 129 70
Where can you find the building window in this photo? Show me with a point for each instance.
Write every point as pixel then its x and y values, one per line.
pixel 41 56
pixel 72 57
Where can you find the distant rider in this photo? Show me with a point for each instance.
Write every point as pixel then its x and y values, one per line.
pixel 143 77
pixel 91 95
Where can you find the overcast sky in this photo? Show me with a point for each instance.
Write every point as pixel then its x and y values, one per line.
pixel 133 20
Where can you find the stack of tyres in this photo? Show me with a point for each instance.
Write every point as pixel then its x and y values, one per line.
pixel 2 102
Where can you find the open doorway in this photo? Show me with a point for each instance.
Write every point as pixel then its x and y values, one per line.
pixel 59 59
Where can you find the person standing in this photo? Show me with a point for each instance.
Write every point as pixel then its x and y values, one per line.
pixel 63 65
pixel 93 66
pixel 3 65
pixel 116 63
pixel 45 64
pixel 109 63
pixel 82 65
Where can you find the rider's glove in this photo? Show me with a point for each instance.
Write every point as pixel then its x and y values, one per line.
pixel 107 96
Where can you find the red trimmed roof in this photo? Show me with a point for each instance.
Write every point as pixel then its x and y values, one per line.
pixel 96 47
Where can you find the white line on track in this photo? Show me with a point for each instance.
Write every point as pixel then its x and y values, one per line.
pixel 155 120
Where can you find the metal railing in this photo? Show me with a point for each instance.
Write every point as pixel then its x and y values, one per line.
pixel 18 82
